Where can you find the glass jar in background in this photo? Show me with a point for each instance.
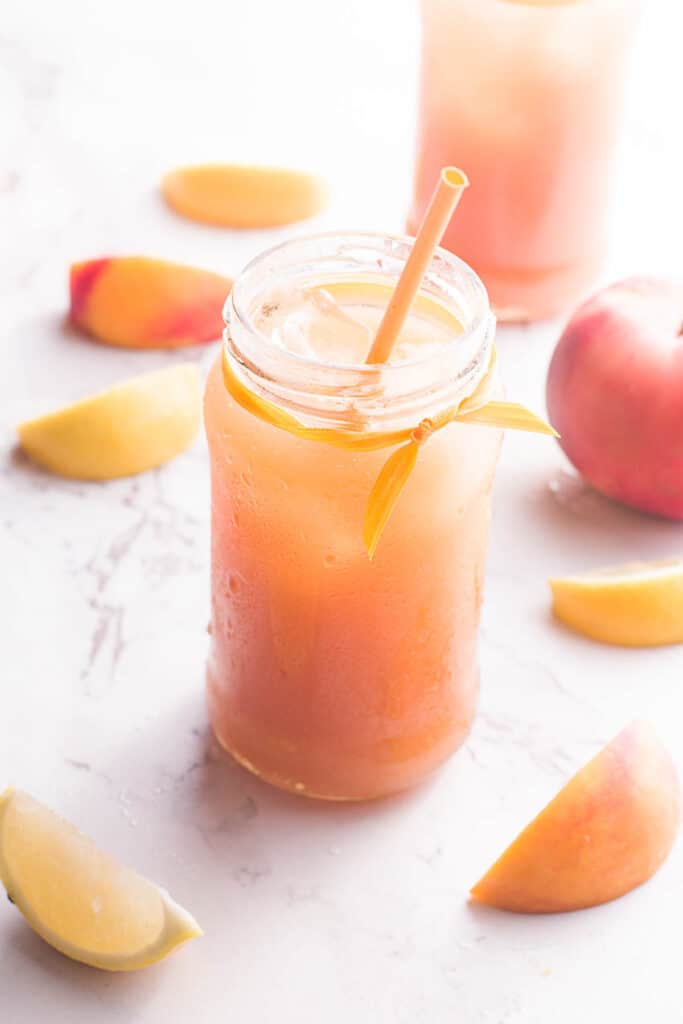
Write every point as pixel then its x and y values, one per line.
pixel 526 97
pixel 331 674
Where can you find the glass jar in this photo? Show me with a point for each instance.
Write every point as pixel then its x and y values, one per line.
pixel 525 96
pixel 331 674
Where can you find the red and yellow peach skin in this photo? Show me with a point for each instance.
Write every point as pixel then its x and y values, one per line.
pixel 138 302
pixel 615 393
pixel 606 832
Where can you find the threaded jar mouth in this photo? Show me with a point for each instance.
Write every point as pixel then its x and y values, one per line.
pixel 327 392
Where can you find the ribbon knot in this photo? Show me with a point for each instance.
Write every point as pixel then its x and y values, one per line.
pixel 423 431
pixel 476 408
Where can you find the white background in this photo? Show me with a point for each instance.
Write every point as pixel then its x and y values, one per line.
pixel 311 912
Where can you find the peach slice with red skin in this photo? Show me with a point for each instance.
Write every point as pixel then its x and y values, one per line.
pixel 606 832
pixel 138 302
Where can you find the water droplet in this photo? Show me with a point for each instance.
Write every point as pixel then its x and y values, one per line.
pixel 568 489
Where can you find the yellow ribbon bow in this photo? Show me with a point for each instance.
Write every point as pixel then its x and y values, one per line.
pixel 476 408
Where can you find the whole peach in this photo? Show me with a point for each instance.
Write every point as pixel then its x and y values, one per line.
pixel 615 393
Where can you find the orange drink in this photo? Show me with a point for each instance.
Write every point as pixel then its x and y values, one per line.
pixel 525 96
pixel 333 674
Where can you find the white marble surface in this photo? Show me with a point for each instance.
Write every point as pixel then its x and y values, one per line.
pixel 311 912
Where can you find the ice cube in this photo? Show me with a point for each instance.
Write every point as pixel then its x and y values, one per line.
pixel 309 322
pixel 333 333
pixel 292 335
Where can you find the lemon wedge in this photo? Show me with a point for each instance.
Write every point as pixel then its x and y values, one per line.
pixel 132 427
pixel 635 605
pixel 77 898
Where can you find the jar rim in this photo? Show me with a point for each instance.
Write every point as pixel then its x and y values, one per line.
pixel 295 380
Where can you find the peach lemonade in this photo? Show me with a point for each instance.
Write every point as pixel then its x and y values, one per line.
pixel 525 96
pixel 332 673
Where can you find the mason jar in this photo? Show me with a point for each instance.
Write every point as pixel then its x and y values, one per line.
pixel 526 96
pixel 333 674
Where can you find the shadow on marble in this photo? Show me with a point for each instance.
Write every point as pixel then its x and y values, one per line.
pixel 174 771
pixel 545 932
pixel 67 978
pixel 18 460
pixel 225 786
pixel 147 358
pixel 35 478
pixel 566 499
pixel 532 933
pixel 214 794
pixel 32 477
pixel 218 838
pixel 69 331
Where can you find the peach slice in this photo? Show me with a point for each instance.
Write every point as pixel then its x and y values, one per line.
pixel 606 832
pixel 242 196
pixel 138 302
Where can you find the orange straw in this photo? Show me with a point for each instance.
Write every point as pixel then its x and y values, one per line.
pixel 451 185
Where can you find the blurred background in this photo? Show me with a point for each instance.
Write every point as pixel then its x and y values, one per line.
pixel 97 101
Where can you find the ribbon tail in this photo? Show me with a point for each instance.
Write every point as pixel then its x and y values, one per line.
pixel 507 414
pixel 385 493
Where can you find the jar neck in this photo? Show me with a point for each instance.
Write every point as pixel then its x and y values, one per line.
pixel 348 397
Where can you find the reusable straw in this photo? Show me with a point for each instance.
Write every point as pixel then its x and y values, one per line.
pixel 450 187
